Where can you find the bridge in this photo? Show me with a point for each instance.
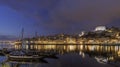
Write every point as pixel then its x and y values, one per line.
pixel 6 42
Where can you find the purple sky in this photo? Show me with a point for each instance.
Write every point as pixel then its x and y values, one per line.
pixel 56 16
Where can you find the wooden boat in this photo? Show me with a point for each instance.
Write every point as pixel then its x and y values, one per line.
pixel 22 56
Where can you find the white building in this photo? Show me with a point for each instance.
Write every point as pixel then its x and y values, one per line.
pixel 82 33
pixel 100 28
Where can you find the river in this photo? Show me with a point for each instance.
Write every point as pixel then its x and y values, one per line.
pixel 73 56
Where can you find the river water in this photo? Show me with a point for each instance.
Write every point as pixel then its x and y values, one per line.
pixel 73 56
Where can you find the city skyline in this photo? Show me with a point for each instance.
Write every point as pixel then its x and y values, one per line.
pixel 55 16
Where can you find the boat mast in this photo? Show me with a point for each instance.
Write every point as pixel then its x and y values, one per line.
pixel 36 34
pixel 22 32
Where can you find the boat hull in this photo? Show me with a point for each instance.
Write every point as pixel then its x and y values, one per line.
pixel 24 58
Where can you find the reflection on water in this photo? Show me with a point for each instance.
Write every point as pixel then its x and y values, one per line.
pixel 74 56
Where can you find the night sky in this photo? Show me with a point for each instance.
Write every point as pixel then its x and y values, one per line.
pixel 55 16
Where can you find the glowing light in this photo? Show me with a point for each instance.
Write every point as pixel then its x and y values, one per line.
pixel 100 28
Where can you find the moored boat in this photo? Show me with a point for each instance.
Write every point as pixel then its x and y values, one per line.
pixel 23 56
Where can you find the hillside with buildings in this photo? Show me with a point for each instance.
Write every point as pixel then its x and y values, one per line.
pixel 101 35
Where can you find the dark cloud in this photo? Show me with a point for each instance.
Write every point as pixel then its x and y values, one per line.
pixel 67 15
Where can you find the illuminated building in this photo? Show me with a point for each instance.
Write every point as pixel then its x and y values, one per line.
pixel 100 28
